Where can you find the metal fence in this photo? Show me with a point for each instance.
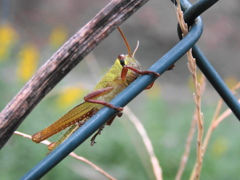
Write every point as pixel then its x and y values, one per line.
pixel 191 17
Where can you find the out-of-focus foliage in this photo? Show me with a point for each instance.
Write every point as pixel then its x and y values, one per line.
pixel 58 36
pixel 69 96
pixel 231 81
pixel 28 61
pixel 165 117
pixel 8 37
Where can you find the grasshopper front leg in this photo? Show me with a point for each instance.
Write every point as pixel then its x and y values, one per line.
pixel 126 67
pixel 125 70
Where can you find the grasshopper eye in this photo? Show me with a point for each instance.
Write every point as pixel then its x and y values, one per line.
pixel 121 58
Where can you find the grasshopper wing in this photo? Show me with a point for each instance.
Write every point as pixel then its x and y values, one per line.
pixel 78 114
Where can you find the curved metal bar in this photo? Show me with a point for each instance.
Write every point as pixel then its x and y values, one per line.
pixel 191 12
pixel 196 9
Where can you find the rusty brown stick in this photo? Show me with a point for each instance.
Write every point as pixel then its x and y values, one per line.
pixel 62 62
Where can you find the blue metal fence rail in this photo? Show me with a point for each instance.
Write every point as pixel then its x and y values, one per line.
pixel 191 16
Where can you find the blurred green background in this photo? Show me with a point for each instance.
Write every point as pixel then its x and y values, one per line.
pixel 31 31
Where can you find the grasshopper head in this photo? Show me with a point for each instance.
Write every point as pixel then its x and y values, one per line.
pixel 128 60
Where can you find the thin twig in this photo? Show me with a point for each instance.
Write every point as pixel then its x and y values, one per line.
pixel 210 129
pixel 199 117
pixel 186 153
pixel 74 155
pixel 215 122
pixel 197 96
pixel 223 116
pixel 147 142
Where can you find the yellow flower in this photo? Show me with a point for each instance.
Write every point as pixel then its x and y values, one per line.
pixel 69 96
pixel 231 81
pixel 28 60
pixel 219 147
pixel 8 36
pixel 155 91
pixel 4 52
pixel 58 36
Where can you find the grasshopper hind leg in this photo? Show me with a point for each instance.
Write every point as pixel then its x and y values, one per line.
pixel 95 135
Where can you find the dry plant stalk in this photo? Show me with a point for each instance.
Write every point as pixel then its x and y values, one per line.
pixel 147 142
pixel 186 153
pixel 46 142
pixel 197 96
pixel 217 118
pixel 228 111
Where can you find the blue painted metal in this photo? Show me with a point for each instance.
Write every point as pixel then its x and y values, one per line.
pixel 216 81
pixel 137 87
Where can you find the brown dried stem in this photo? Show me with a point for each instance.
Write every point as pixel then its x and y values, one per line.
pixel 74 155
pixel 147 142
pixel 217 118
pixel 186 153
pixel 197 96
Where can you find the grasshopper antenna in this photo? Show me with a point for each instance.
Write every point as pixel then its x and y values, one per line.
pixel 135 50
pixel 126 42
